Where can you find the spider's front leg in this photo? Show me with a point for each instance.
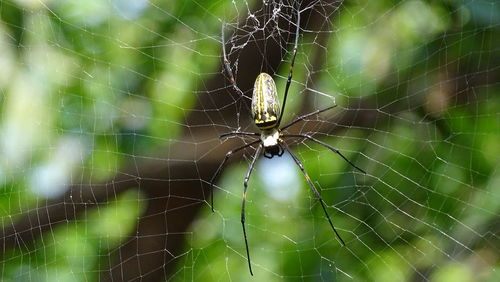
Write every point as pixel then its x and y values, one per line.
pixel 313 188
pixel 282 151
pixel 245 185
pixel 219 169
pixel 326 146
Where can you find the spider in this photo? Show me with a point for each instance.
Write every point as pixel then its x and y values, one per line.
pixel 267 115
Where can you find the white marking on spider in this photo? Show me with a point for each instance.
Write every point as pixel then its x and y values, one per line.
pixel 270 137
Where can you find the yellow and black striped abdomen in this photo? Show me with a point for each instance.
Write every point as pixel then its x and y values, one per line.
pixel 265 104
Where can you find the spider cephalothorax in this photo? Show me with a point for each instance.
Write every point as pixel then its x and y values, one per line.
pixel 267 114
pixel 270 139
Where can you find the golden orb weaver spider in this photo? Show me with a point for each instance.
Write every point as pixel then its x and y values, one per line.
pixel 267 115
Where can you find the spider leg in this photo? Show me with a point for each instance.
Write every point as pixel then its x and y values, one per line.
pixel 245 184
pixel 325 145
pixel 315 191
pixel 289 80
pixel 282 151
pixel 219 169
pixel 306 116
pixel 227 65
pixel 233 133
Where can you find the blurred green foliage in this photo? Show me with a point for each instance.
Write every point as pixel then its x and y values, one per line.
pixel 86 85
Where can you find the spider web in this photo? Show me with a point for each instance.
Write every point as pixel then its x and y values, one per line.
pixel 111 112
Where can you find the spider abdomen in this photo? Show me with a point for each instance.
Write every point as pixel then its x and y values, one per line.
pixel 265 104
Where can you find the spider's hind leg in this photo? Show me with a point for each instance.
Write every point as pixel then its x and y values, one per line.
pixel 227 65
